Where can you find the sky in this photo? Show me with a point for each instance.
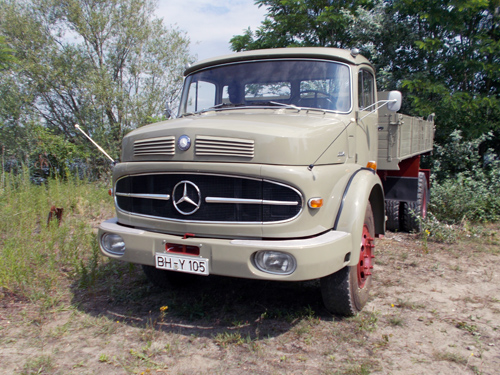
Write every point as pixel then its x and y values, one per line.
pixel 210 24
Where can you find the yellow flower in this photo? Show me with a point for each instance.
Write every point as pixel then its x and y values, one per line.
pixel 163 308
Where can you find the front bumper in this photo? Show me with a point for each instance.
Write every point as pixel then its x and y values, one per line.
pixel 316 256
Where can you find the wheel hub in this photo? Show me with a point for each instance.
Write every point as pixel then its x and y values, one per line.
pixel 365 264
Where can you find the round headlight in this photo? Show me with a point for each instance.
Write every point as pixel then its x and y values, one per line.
pixel 275 262
pixel 113 243
pixel 184 143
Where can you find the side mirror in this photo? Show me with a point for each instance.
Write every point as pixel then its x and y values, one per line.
pixel 394 101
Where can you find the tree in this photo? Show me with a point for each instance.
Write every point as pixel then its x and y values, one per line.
pixel 107 65
pixel 449 61
pixel 6 54
pixel 302 23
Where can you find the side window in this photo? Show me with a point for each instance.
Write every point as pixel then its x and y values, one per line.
pixel 366 89
pixel 201 96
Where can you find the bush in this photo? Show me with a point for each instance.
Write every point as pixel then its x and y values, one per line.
pixel 466 184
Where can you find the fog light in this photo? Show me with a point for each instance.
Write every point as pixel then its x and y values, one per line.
pixel 275 262
pixel 113 243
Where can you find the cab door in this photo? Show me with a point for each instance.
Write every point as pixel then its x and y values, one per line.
pixel 366 118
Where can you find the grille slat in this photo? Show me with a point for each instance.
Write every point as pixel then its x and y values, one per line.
pixel 210 198
pixel 155 146
pixel 221 146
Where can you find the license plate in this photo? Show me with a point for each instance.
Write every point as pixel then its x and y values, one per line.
pixel 180 263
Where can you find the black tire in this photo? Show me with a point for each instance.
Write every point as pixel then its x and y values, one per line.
pixel 167 279
pixel 414 212
pixel 392 208
pixel 346 292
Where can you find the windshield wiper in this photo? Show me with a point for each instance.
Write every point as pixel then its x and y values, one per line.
pixel 222 106
pixel 278 104
pixel 274 104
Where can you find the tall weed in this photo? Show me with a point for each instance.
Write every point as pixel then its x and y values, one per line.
pixel 35 255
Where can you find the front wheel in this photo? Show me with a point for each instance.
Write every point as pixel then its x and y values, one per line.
pixel 346 291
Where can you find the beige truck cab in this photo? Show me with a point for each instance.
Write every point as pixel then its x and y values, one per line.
pixel 279 166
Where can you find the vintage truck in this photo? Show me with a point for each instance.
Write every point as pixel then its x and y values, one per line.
pixel 279 166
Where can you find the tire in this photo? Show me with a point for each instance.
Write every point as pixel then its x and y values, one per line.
pixel 392 208
pixel 414 212
pixel 346 292
pixel 167 279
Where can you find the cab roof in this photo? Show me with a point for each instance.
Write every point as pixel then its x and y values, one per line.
pixel 324 53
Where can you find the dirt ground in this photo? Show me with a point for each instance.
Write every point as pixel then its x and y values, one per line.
pixel 434 309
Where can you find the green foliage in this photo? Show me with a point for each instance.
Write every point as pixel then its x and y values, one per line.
pixel 302 23
pixel 43 364
pixel 472 196
pixel 108 66
pixel 51 153
pixel 6 54
pixel 447 59
pixel 437 231
pixel 37 255
pixel 225 339
pixel 466 185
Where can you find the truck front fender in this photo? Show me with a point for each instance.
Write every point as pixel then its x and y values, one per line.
pixel 364 186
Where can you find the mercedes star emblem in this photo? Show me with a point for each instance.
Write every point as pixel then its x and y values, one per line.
pixel 184 142
pixel 186 197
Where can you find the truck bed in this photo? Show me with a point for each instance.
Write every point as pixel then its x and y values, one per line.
pixel 401 137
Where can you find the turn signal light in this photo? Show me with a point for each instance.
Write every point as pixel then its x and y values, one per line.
pixel 315 202
pixel 372 165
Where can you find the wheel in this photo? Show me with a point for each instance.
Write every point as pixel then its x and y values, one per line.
pixel 392 212
pixel 414 212
pixel 167 279
pixel 346 292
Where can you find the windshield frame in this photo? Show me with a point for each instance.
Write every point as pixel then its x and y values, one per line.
pixel 265 103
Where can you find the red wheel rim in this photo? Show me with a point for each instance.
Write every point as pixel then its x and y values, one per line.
pixel 365 264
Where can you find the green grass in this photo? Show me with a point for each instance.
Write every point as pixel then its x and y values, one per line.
pixel 38 365
pixel 225 338
pixel 450 357
pixel 36 256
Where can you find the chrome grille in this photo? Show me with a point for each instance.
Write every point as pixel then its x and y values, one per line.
pixel 223 146
pixel 207 198
pixel 155 146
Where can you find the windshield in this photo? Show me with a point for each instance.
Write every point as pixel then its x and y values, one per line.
pixel 303 83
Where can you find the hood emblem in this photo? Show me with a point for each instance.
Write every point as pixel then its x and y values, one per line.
pixel 186 197
pixel 184 142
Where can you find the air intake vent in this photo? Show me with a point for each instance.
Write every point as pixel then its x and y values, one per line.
pixel 221 146
pixel 155 146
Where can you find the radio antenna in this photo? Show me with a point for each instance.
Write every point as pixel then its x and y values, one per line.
pixel 95 144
